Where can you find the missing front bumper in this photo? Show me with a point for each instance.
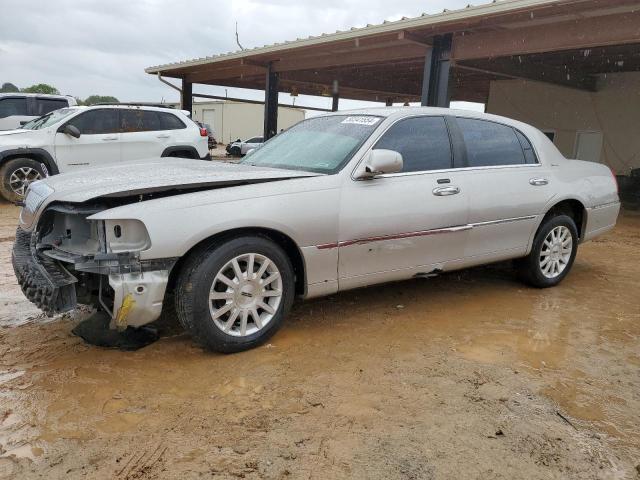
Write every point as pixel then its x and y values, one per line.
pixel 44 281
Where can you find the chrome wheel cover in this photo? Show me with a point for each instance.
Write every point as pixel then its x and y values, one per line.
pixel 556 251
pixel 20 179
pixel 245 294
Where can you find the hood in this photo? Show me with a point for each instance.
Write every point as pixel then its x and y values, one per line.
pixel 158 175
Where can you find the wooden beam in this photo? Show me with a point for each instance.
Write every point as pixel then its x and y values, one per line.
pixel 354 58
pixel 507 68
pixel 413 38
pixel 213 74
pixel 584 33
pixel 257 102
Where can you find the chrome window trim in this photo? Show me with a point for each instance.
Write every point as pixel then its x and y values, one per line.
pixel 373 139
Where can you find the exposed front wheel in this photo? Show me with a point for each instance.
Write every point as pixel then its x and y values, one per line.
pixel 16 175
pixel 552 254
pixel 234 296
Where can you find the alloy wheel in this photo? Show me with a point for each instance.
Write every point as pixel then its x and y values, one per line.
pixel 20 179
pixel 556 250
pixel 245 294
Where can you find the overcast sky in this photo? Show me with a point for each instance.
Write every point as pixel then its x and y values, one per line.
pixel 86 47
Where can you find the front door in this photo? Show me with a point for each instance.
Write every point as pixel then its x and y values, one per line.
pixel 405 224
pixel 98 144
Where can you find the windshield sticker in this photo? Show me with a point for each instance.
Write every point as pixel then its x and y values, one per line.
pixel 361 120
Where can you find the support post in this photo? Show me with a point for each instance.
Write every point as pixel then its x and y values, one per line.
pixel 186 99
pixel 437 67
pixel 336 97
pixel 270 103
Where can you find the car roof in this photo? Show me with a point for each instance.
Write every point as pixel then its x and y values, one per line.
pixel 400 112
pixel 128 107
pixel 39 95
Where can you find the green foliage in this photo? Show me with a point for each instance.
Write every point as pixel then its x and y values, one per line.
pixel 8 87
pixel 93 99
pixel 41 88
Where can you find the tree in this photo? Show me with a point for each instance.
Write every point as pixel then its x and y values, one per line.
pixel 93 99
pixel 41 88
pixel 8 88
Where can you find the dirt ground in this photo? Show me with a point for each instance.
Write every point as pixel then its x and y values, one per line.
pixel 469 375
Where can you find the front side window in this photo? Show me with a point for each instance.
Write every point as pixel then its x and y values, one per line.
pixel 254 140
pixel 96 122
pixel 13 106
pixel 422 141
pixel 320 144
pixel 491 144
pixel 46 105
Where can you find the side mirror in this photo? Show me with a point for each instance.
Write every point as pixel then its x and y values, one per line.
pixel 71 130
pixel 380 162
pixel 23 122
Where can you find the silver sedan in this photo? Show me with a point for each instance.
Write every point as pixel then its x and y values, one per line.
pixel 336 202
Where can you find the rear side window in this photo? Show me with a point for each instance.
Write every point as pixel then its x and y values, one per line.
pixel 529 154
pixel 96 122
pixel 168 121
pixel 422 141
pixel 46 105
pixel 13 106
pixel 491 144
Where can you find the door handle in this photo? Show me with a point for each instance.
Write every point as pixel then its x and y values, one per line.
pixel 537 182
pixel 445 191
pixel 163 136
pixel 109 139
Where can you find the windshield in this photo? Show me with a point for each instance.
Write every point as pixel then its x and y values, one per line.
pixel 48 119
pixel 321 144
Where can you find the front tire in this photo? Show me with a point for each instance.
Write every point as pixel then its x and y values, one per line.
pixel 552 254
pixel 16 175
pixel 234 295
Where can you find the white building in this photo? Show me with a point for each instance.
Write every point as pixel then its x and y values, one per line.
pixel 232 120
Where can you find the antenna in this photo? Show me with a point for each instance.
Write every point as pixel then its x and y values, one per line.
pixel 237 39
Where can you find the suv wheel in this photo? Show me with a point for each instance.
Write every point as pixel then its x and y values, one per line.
pixel 552 254
pixel 234 296
pixel 16 175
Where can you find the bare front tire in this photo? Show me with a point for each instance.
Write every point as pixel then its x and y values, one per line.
pixel 233 296
pixel 16 175
pixel 552 254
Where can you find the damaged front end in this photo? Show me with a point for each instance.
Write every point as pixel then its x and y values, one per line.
pixel 69 259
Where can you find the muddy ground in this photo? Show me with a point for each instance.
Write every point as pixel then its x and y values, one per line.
pixel 470 375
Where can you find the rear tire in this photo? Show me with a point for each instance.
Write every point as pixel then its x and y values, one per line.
pixel 16 175
pixel 234 295
pixel 552 254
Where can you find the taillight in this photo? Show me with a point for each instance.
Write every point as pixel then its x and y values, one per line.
pixel 203 132
pixel 615 179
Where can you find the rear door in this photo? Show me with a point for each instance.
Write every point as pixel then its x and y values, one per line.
pixel 142 134
pixel 506 185
pixel 98 144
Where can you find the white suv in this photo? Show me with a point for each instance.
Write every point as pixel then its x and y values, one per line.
pixel 18 108
pixel 76 138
